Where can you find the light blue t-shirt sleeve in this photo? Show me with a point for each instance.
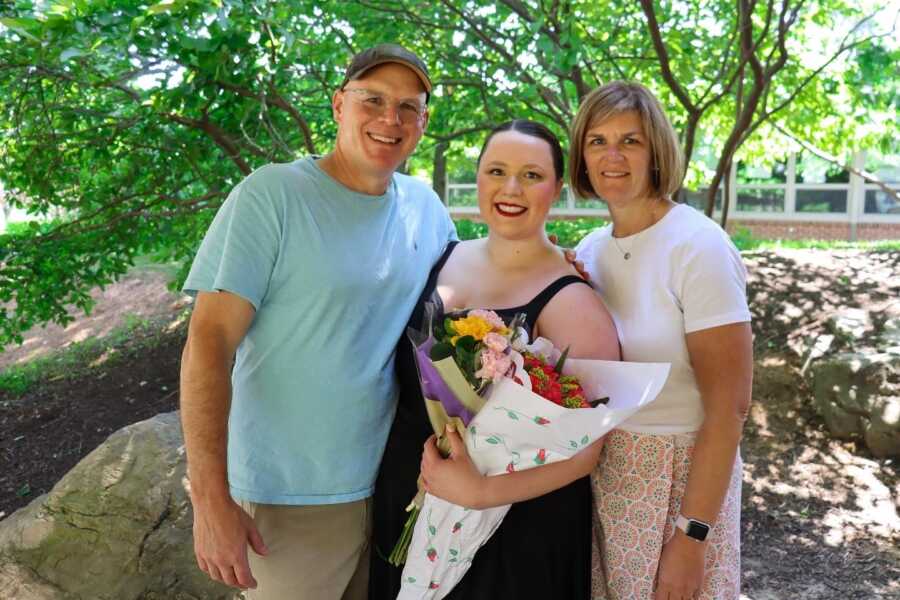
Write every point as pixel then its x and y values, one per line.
pixel 240 248
pixel 452 236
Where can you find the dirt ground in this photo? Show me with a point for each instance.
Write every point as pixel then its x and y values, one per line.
pixel 820 517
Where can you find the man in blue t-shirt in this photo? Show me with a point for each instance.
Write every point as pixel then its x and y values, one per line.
pixel 306 278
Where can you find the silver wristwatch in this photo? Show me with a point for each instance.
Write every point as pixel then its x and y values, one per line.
pixel 694 529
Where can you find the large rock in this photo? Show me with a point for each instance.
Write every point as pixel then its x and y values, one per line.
pixel 859 394
pixel 851 324
pixel 116 527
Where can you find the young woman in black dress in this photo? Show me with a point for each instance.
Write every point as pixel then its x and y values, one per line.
pixel 543 546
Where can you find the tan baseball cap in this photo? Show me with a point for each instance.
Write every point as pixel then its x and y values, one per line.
pixel 388 53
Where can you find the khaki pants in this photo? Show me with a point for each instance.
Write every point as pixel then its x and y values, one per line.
pixel 316 552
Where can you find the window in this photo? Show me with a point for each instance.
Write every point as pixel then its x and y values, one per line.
pixel 880 202
pixel 812 169
pixel 821 201
pixel 697 199
pixel 760 200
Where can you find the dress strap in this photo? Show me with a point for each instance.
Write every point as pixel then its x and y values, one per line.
pixel 436 269
pixel 533 309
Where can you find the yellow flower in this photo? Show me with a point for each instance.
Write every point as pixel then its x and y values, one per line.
pixel 474 326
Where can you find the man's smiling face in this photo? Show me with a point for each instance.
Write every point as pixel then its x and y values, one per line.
pixel 377 130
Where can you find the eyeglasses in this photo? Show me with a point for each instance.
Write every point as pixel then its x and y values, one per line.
pixel 376 104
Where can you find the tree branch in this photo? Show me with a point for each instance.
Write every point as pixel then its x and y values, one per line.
pixel 868 176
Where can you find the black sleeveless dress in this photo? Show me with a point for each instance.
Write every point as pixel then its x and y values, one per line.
pixel 542 549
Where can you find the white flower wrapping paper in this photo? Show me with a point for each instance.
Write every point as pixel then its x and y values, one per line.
pixel 517 430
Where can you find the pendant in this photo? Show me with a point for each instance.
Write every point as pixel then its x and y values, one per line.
pixel 627 255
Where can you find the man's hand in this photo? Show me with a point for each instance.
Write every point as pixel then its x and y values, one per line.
pixel 570 256
pixel 454 479
pixel 680 574
pixel 222 532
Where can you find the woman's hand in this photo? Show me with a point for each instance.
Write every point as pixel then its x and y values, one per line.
pixel 589 456
pixel 454 479
pixel 570 257
pixel 681 566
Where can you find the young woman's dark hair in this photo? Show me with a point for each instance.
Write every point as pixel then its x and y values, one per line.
pixel 534 130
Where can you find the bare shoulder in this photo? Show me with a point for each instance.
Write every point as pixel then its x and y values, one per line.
pixel 577 318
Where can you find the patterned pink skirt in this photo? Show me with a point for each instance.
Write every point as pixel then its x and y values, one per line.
pixel 638 486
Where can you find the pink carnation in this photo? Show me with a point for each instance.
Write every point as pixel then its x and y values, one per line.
pixel 496 342
pixel 492 318
pixel 494 365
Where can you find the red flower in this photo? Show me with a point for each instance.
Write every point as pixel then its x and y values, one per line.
pixel 431 554
pixel 510 468
pixel 457 526
pixel 541 456
pixel 433 585
pixel 541 420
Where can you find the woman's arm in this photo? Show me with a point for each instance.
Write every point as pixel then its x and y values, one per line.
pixel 455 479
pixel 722 359
pixel 576 319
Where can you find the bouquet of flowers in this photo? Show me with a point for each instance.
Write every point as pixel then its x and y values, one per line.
pixel 518 405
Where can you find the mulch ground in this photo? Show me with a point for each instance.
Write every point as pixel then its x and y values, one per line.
pixel 46 432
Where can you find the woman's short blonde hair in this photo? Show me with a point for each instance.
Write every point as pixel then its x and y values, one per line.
pixel 667 160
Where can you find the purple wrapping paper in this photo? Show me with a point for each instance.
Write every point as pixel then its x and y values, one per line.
pixel 434 388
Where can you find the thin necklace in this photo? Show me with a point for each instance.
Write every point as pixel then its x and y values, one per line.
pixel 626 254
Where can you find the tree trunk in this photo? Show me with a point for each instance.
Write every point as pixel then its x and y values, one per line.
pixel 726 196
pixel 439 171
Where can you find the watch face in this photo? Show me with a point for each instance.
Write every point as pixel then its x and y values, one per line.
pixel 697 530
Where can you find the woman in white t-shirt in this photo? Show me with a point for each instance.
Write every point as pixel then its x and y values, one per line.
pixel 667 489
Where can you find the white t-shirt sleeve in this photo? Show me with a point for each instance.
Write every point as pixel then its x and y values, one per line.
pixel 586 252
pixel 711 282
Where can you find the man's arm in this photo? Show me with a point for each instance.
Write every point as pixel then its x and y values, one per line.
pixel 222 530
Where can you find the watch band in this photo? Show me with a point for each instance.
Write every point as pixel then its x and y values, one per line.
pixel 694 529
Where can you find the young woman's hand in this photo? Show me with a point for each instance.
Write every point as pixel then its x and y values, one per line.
pixel 455 478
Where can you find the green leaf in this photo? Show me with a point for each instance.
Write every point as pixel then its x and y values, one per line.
pixel 493 440
pixel 440 351
pixel 23 27
pixel 432 529
pixel 562 360
pixel 512 415
pixel 585 440
pixel 448 326
pixel 161 7
pixel 453 552
pixel 70 53
pixel 467 343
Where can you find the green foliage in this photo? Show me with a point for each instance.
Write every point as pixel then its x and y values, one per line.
pixel 877 245
pixel 134 335
pixel 470 230
pixel 568 231
pixel 743 239
pixel 127 123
